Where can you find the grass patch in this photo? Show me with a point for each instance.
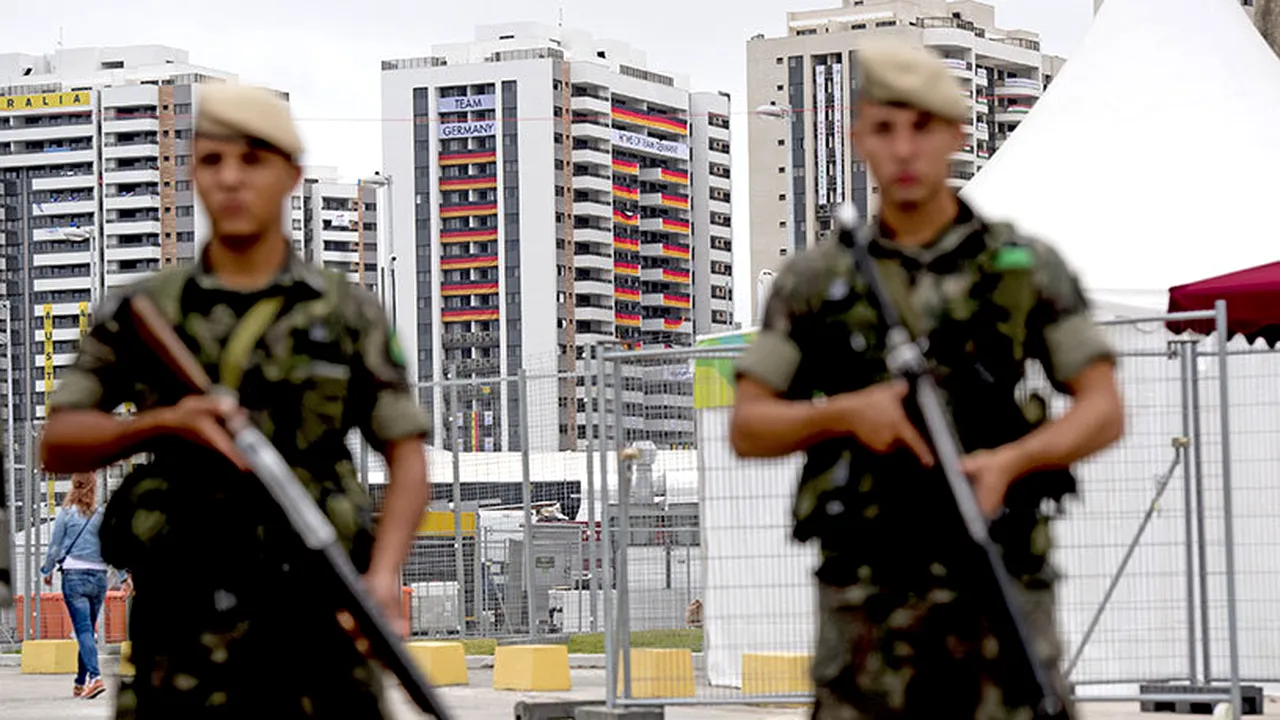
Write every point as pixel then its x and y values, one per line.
pixel 593 643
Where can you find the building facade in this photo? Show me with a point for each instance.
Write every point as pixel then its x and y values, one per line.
pixel 559 196
pixel 334 224
pixel 96 193
pixel 802 86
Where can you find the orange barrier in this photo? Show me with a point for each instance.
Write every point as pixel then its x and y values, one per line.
pixel 55 621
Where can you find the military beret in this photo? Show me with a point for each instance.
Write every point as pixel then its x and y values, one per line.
pixel 231 110
pixel 892 71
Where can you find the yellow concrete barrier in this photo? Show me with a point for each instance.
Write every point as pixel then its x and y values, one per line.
pixel 50 657
pixel 538 668
pixel 776 674
pixel 444 663
pixel 659 673
pixel 126 656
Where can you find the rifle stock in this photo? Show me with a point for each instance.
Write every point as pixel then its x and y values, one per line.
pixel 355 609
pixel 906 361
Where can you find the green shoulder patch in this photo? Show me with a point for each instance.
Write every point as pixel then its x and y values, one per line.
pixel 1014 257
pixel 394 350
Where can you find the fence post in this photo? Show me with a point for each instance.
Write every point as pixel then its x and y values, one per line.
pixel 590 391
pixel 624 532
pixel 457 505
pixel 1202 550
pixel 1228 529
pixel 527 487
pixel 1184 359
pixel 606 540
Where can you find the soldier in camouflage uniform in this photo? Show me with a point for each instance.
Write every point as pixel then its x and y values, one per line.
pixel 225 623
pixel 903 621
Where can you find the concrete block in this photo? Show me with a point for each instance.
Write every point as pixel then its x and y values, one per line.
pixel 50 657
pixel 599 712
pixel 126 659
pixel 444 663
pixel 535 668
pixel 776 674
pixel 659 673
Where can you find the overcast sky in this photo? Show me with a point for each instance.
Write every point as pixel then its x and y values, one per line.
pixel 326 54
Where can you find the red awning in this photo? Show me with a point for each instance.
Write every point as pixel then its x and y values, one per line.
pixel 1253 303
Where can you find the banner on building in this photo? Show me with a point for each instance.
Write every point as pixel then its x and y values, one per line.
pixel 644 143
pixel 467 104
pixel 821 101
pixel 467 129
pixel 837 129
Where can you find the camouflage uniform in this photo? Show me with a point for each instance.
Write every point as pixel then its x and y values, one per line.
pixel 902 628
pixel 225 622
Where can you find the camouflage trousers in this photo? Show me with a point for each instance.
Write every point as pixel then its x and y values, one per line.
pixel 925 654
pixel 285 663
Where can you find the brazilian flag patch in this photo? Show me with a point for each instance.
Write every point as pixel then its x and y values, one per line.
pixel 1015 257
pixel 394 350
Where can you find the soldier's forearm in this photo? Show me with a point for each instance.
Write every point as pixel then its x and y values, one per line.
pixel 86 440
pixel 408 494
pixel 774 427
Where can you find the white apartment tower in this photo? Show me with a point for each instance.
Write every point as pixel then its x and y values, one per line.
pixel 94 193
pixel 801 162
pixel 334 224
pixel 558 193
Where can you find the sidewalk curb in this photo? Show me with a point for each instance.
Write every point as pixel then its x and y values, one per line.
pixel 110 659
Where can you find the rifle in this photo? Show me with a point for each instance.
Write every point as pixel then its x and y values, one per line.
pixel 357 613
pixel 905 360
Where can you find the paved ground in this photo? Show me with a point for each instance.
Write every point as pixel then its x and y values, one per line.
pixel 39 697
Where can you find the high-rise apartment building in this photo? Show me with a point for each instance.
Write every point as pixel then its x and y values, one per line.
pixel 557 193
pixel 801 162
pixel 334 224
pixel 96 193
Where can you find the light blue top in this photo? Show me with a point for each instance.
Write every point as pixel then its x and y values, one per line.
pixel 66 527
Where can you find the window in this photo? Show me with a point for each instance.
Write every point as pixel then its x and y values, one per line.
pixel 782 197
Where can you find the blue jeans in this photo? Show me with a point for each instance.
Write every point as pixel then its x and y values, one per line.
pixel 84 591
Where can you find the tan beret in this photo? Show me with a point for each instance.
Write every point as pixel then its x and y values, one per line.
pixel 231 110
pixel 898 71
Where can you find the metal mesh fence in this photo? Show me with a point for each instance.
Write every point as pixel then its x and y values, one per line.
pixel 1142 551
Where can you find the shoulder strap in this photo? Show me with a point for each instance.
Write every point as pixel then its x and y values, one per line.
pixel 247 333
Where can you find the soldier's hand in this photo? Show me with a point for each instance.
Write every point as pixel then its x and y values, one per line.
pixel 199 418
pixel 876 417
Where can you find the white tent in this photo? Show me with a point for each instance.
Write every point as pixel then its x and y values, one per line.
pixel 1150 160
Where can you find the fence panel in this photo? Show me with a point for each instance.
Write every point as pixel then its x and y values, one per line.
pixel 1133 566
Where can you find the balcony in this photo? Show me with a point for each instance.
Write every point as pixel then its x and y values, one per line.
pixel 592 103
pixel 124 253
pixel 1019 87
pixel 593 261
pixel 130 176
pixel 667 325
pixel 597 183
pixel 130 124
pixel 1012 114
pixel 592 207
pixel 131 150
pixel 593 313
pixel 958 67
pixel 140 200
pixel 676 201
pixel 664 224
pixel 132 227
pixel 592 235
pixel 589 129
pixel 65 207
pixel 453 340
pixel 667 275
pixel 603 288
pixel 592 156
pixel 664 175
pixel 65 181
pixel 47 157
pixel 673 251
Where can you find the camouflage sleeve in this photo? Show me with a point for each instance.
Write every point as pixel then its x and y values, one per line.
pixel 773 357
pixel 388 406
pixel 98 380
pixel 1064 337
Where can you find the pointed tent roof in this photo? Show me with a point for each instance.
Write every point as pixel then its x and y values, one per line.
pixel 1149 161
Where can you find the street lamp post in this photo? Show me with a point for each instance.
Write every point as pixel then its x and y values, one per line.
pixel 378 181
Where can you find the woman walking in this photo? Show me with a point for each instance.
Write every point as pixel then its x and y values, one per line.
pixel 84 575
